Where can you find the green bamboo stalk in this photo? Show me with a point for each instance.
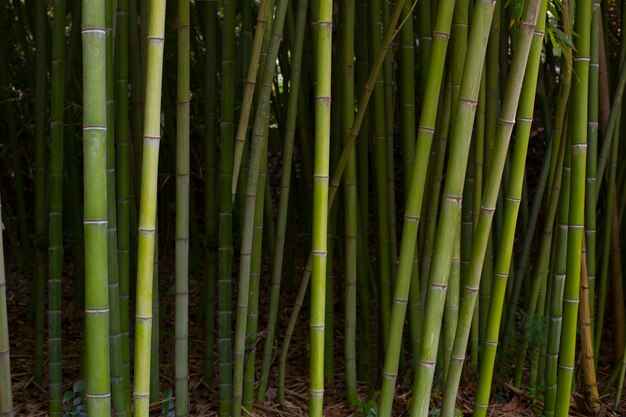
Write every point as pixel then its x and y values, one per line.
pixel 350 203
pixel 590 384
pixel 6 395
pixel 592 156
pixel 557 287
pixel 242 128
pixel 406 91
pixel 362 69
pixel 323 20
pixel 436 176
pixel 225 169
pixel 425 35
pixel 388 78
pixel 451 205
pixel 147 215
pixel 137 94
pixel 253 297
pixel 534 308
pixel 155 389
pixel 381 174
pixel 580 88
pixel 41 181
pixel 97 385
pixel 283 205
pixel 557 143
pixel 451 314
pixel 336 134
pixel 55 221
pixel 124 172
pixel 210 189
pixel 182 211
pixel 523 70
pixel 115 330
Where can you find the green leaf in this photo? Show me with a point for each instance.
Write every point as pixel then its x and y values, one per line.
pixel 67 396
pixel 78 386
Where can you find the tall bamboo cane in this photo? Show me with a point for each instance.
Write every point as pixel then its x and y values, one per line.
pixel 55 222
pixel 124 173
pixel 225 228
pixel 381 174
pixel 582 27
pixel 115 330
pixel 350 202
pixel 182 212
pixel 323 20
pixel 147 214
pixel 41 219
pixel 97 385
pixel 557 284
pixel 6 395
pixel 210 190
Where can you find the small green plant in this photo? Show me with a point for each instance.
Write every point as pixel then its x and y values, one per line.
pixel 73 401
pixel 168 405
pixel 368 408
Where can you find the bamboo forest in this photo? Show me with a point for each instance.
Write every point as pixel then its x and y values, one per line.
pixel 312 207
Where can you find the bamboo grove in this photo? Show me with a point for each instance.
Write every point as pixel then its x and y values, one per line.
pixel 396 201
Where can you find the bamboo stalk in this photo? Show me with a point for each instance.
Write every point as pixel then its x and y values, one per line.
pixel 55 221
pixel 97 383
pixel 147 214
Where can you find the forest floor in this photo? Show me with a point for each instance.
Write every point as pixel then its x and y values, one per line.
pixel 31 400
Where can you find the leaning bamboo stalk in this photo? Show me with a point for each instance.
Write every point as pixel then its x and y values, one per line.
pixel 283 204
pixel 246 106
pixel 451 205
pixel 414 203
pixel 147 213
pixel 255 189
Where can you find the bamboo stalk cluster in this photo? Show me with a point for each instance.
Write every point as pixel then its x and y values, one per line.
pixel 430 188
